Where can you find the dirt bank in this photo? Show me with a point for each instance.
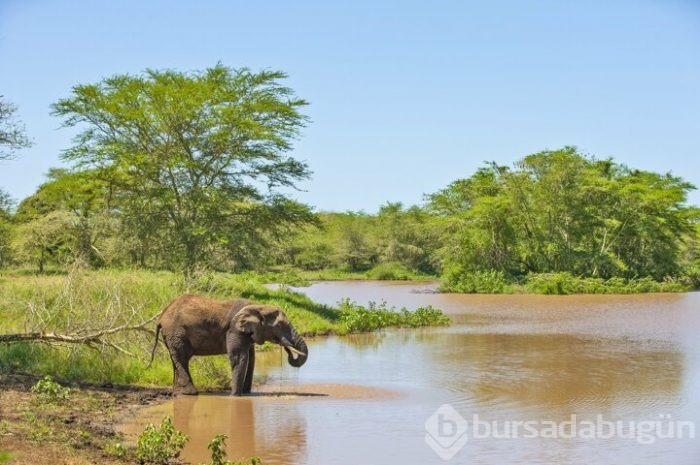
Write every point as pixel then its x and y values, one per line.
pixel 77 431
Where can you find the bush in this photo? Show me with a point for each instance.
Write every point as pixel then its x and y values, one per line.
pixel 390 271
pixel 563 283
pixel 424 316
pixel 160 445
pixel 691 275
pixel 566 283
pixel 49 391
pixel 475 282
pixel 357 318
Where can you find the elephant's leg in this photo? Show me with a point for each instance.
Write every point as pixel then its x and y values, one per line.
pixel 248 381
pixel 180 354
pixel 238 356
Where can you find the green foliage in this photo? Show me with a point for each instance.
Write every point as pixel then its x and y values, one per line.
pixel 560 211
pixel 563 283
pixel 217 446
pixel 357 318
pixel 191 164
pixel 566 283
pixel 390 271
pixel 47 390
pixel 117 449
pixel 5 456
pixel 160 445
pixel 12 134
pixel 396 237
pixel 6 204
pixel 475 282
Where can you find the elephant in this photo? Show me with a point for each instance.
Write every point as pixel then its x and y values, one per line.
pixel 196 325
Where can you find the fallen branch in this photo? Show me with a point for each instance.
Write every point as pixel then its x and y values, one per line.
pixel 92 340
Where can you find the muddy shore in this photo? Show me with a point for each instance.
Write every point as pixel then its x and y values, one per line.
pixel 80 430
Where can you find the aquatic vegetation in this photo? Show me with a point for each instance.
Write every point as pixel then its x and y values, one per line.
pixel 356 318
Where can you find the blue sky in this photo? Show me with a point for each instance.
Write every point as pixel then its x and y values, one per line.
pixel 405 96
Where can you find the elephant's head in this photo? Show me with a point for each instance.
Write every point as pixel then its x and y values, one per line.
pixel 269 323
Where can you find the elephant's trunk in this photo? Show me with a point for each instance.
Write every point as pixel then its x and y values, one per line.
pixel 296 359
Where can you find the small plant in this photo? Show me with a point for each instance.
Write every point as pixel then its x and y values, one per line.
pixel 217 446
pixel 48 391
pixel 116 449
pixel 159 445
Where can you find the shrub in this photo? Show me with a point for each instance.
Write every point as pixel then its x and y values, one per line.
pixel 424 316
pixel 566 283
pixel 47 390
pixel 389 271
pixel 357 318
pixel 160 445
pixel 217 446
pixel 475 282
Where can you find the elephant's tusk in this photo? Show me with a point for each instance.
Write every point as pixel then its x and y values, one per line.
pixel 295 351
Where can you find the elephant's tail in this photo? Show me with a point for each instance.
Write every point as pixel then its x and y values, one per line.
pixel 155 346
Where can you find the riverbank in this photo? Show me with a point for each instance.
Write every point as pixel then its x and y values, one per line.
pixel 493 282
pixel 79 429
pixel 83 301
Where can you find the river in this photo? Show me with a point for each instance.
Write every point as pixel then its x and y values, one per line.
pixel 507 358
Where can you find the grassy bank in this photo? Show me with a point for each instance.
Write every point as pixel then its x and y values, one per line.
pixel 381 272
pixel 493 282
pixel 80 301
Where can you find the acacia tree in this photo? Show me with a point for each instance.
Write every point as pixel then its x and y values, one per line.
pixel 12 135
pixel 199 156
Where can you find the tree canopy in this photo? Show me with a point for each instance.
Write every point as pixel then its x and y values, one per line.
pixel 563 211
pixel 194 161
pixel 12 134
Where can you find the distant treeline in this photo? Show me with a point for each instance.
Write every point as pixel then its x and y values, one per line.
pixel 187 172
pixel 552 212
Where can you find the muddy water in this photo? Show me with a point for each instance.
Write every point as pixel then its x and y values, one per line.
pixel 365 399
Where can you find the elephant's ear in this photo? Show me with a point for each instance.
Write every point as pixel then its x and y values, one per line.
pixel 247 320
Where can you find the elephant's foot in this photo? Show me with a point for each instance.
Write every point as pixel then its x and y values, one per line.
pixel 185 390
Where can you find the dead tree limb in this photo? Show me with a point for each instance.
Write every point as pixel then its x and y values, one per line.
pixel 93 340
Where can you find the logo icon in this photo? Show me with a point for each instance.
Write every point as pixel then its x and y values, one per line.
pixel 446 432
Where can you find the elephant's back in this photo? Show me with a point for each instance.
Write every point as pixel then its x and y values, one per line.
pixel 191 310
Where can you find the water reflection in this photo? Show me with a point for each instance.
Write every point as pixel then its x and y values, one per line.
pixel 252 426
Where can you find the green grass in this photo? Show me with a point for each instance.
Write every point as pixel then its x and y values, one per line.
pixel 88 299
pixel 495 282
